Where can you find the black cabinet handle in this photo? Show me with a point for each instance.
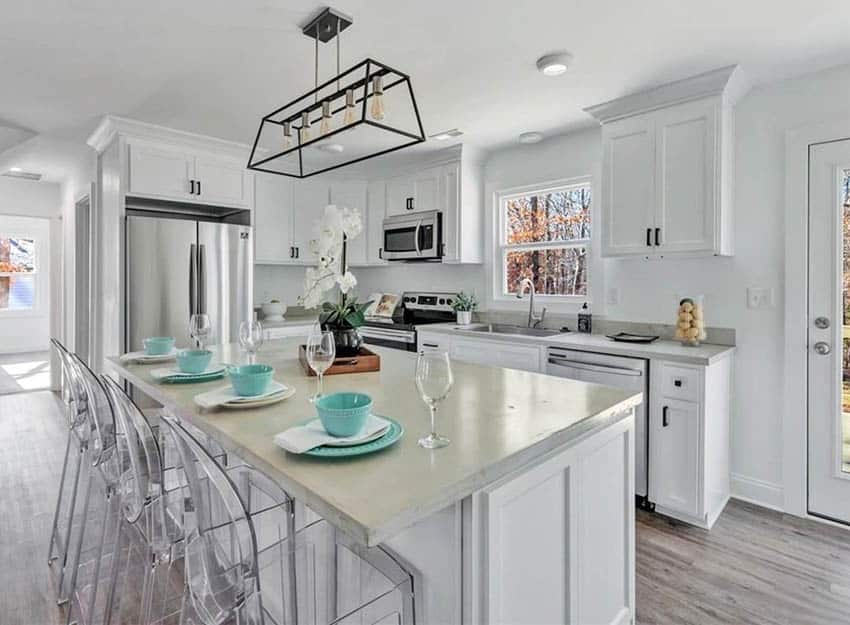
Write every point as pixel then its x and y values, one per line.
pixel 409 204
pixel 658 236
pixel 199 187
pixel 191 187
pixel 434 345
pixel 665 421
pixel 381 253
pixel 677 383
pixel 291 252
pixel 297 252
pixel 649 237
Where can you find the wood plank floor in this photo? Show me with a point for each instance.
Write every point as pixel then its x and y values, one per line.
pixel 755 567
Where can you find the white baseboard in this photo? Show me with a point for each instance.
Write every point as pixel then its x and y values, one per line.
pixel 759 492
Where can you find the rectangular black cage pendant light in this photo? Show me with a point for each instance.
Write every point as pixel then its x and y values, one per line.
pixel 366 111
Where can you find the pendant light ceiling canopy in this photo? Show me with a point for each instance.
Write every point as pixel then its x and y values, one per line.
pixel 365 111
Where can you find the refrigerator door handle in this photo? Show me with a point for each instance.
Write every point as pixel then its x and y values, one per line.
pixel 193 279
pixel 202 278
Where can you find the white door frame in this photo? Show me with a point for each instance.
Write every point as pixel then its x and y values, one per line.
pixel 795 415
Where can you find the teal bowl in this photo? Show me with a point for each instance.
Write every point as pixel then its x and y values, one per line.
pixel 344 414
pixel 194 360
pixel 250 380
pixel 158 345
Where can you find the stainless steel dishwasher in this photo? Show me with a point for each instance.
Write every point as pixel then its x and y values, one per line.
pixel 618 371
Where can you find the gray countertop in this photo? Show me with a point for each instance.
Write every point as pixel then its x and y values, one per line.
pixel 299 319
pixel 498 420
pixel 667 350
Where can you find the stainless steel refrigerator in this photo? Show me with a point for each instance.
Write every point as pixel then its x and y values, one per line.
pixel 181 262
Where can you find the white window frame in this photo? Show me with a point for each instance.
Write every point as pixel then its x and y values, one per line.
pixel 501 247
pixel 36 310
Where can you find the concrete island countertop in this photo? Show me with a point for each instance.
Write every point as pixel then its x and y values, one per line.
pixel 498 420
pixel 668 350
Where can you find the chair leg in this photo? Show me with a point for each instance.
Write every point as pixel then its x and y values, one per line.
pixel 75 567
pixel 116 567
pixel 50 556
pixel 109 509
pixel 65 542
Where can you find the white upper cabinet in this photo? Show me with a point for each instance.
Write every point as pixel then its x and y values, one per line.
pixel 273 219
pixel 352 194
pixel 222 182
pixel 170 173
pixel 667 168
pixel 628 186
pixel 376 194
pixel 161 172
pixel 414 193
pixel 399 195
pixel 309 199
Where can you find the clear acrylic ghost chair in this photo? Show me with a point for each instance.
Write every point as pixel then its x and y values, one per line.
pixel 73 396
pixel 245 568
pixel 100 480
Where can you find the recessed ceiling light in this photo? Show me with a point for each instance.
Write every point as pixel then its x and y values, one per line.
pixel 554 64
pixel 15 169
pixel 446 134
pixel 331 148
pixel 17 172
pixel 530 137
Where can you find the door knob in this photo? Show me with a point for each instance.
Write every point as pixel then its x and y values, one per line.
pixel 822 348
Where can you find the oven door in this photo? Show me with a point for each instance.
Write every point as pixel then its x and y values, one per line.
pixel 413 237
pixel 388 337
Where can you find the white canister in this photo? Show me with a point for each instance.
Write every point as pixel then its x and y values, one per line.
pixel 464 317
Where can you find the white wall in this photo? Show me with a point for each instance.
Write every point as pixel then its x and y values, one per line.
pixel 33 209
pixel 278 282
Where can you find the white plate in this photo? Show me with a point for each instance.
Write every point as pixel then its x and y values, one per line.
pixel 143 359
pixel 266 400
pixel 361 441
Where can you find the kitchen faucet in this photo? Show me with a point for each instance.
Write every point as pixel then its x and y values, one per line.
pixel 533 318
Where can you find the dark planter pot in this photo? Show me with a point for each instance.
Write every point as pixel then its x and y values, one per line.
pixel 348 341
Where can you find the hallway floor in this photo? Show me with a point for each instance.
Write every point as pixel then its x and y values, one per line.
pixel 28 371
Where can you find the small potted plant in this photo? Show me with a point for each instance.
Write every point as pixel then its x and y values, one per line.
pixel 464 305
pixel 343 318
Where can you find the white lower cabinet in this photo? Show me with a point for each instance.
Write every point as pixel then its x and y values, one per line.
pixel 689 440
pixel 284 332
pixel 483 352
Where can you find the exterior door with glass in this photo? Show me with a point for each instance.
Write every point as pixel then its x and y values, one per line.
pixel 829 331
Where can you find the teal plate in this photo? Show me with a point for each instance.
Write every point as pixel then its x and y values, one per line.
pixel 201 377
pixel 392 435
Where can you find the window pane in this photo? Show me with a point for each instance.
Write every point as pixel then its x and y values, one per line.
pixel 560 271
pixel 17 255
pixel 557 216
pixel 17 292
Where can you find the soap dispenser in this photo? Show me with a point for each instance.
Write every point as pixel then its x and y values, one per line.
pixel 585 319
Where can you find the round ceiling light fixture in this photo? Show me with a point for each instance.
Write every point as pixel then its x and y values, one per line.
pixel 530 137
pixel 331 148
pixel 554 64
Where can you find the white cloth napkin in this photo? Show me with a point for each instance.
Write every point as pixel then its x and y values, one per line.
pixel 142 357
pixel 305 437
pixel 166 374
pixel 225 395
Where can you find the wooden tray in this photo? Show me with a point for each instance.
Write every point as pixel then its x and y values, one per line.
pixel 363 362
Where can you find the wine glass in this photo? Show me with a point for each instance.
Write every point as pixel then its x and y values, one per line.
pixel 200 329
pixel 321 351
pixel 434 380
pixel 251 338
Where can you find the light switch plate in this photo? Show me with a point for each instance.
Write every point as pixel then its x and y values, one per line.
pixel 759 297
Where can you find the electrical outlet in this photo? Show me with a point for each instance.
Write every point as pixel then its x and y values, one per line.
pixel 759 297
pixel 613 296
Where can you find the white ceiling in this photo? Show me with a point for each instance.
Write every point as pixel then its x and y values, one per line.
pixel 215 66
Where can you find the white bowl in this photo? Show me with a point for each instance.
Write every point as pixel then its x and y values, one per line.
pixel 273 311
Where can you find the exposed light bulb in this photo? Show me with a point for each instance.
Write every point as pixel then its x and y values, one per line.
pixel 377 98
pixel 305 127
pixel 325 126
pixel 287 135
pixel 349 107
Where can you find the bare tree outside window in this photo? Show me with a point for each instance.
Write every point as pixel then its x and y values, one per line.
pixel 545 238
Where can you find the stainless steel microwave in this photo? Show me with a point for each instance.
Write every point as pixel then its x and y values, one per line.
pixel 415 236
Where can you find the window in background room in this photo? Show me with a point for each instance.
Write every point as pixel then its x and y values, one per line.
pixel 545 236
pixel 17 273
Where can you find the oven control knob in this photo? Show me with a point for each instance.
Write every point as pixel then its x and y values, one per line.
pixel 449 302
pixel 442 301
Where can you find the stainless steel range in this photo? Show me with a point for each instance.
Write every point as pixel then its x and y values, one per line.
pixel 416 309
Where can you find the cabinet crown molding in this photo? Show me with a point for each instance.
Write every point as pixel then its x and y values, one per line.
pixel 113 125
pixel 728 81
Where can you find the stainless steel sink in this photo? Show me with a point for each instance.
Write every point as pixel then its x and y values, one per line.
pixel 501 328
